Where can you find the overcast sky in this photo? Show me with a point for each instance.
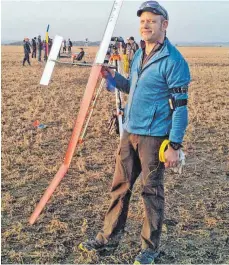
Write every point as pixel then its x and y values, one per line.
pixel 190 21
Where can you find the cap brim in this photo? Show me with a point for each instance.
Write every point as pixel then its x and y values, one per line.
pixel 149 9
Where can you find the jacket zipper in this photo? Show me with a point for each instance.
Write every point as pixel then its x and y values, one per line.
pixel 141 71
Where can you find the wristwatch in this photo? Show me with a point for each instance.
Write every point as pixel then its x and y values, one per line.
pixel 175 146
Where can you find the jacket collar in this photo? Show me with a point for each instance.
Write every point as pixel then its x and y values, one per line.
pixel 163 52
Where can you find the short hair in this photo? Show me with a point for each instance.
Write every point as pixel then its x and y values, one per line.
pixel 162 18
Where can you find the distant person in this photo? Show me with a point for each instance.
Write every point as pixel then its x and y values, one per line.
pixel 126 67
pixel 142 44
pixel 27 51
pixel 80 55
pixel 64 46
pixel 34 47
pixel 107 57
pixel 127 46
pixel 45 49
pixel 69 44
pixel 39 47
pixel 133 47
pixel 86 42
pixel 50 45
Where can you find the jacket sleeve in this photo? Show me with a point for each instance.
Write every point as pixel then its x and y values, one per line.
pixel 178 75
pixel 122 83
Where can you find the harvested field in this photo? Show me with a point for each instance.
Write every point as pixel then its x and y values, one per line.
pixel 196 226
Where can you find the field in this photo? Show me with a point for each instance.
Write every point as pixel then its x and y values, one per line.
pixel 196 226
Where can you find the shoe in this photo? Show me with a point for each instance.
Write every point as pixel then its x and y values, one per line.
pixel 146 256
pixel 91 245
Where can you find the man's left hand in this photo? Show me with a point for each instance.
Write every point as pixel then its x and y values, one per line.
pixel 171 157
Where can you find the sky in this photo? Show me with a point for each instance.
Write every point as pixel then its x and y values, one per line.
pixel 189 21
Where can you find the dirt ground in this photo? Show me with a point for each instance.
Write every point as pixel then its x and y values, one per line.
pixel 196 226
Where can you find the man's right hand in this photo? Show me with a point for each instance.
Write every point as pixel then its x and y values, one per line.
pixel 106 70
pixel 108 75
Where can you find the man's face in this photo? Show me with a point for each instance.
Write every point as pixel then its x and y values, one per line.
pixel 152 28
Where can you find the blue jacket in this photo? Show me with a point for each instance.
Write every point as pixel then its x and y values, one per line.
pixel 148 111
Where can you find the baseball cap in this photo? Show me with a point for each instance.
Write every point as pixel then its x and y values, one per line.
pixel 154 7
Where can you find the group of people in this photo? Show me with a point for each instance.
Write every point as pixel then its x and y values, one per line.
pixel 37 45
pixel 67 44
pixel 128 50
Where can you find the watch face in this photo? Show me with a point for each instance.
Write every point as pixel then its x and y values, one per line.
pixel 175 146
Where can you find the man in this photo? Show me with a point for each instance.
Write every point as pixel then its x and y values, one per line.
pixel 80 55
pixel 159 76
pixel 133 47
pixel 69 46
pixel 107 57
pixel 50 42
pixel 142 44
pixel 64 46
pixel 27 51
pixel 39 47
pixel 86 42
pixel 127 46
pixel 34 47
pixel 44 47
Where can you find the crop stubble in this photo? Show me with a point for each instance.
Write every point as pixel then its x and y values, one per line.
pixel 197 202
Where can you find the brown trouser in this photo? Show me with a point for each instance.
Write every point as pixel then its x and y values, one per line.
pixel 137 156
